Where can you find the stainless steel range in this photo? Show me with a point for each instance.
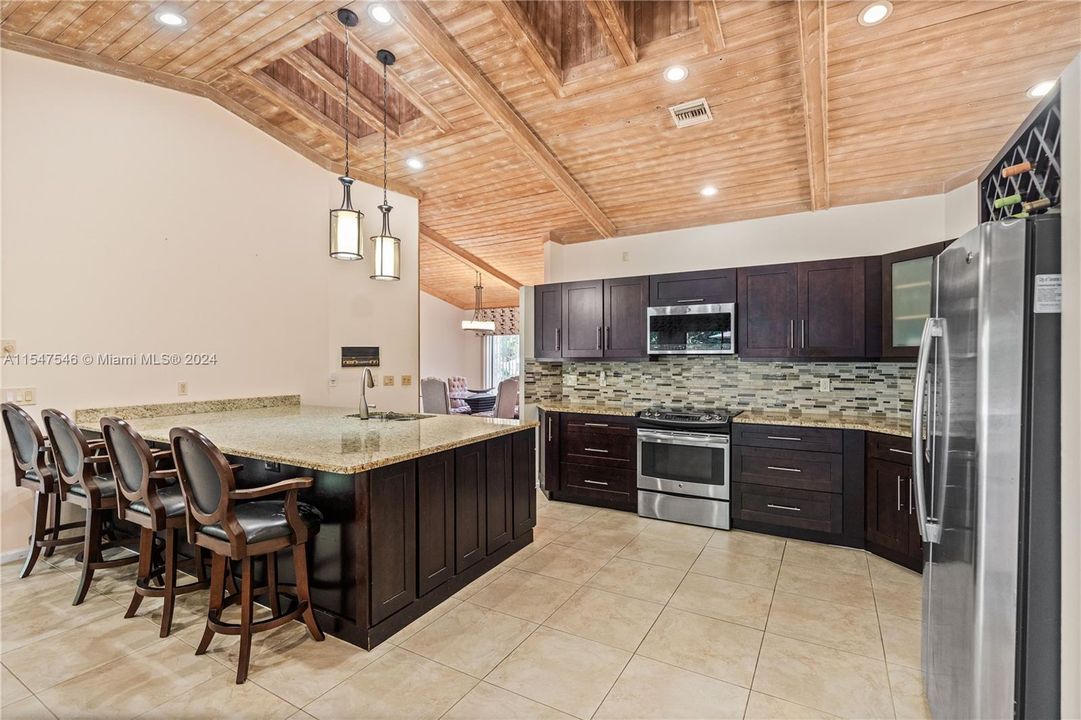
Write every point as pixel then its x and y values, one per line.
pixel 683 466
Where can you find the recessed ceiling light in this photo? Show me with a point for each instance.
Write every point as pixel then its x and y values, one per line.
pixel 875 13
pixel 675 73
pixel 1041 88
pixel 172 19
pixel 708 191
pixel 380 14
pixel 414 163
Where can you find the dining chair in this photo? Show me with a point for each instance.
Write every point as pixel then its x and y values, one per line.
pixel 434 396
pixel 506 400
pixel 151 498
pixel 240 525
pixel 87 482
pixel 457 386
pixel 34 470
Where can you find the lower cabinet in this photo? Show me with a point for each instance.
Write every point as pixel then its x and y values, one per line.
pixel 891 530
pixel 591 459
pixel 435 520
pixel 470 514
pixel 393 537
pixel 524 482
pixel 499 493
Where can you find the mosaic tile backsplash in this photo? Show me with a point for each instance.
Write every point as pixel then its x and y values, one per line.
pixel 714 382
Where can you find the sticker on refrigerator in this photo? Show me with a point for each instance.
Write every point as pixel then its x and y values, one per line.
pixel 1047 295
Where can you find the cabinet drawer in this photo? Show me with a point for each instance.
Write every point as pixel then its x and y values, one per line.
pixel 788 437
pixel 821 472
pixel 889 447
pixel 802 509
pixel 692 288
pixel 615 450
pixel 599 483
pixel 606 424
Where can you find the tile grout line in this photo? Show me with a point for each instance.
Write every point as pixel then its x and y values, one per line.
pixel 762 642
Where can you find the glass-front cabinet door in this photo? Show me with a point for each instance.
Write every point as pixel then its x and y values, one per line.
pixel 906 298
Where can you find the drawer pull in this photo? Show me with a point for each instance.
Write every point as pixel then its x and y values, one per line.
pixel 900 452
pixel 589 424
pixel 782 437
pixel 595 482
pixel 782 507
pixel 692 300
pixel 783 469
pixel 596 450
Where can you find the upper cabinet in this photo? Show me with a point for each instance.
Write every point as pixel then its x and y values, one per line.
pixel 548 322
pixel 583 319
pixel 906 298
pixel 705 287
pixel 766 311
pixel 591 319
pixel 624 332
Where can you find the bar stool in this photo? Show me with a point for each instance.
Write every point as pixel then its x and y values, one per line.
pixel 238 525
pixel 34 470
pixel 77 464
pixel 152 499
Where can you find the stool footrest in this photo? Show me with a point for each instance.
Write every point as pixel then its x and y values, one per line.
pixel 214 622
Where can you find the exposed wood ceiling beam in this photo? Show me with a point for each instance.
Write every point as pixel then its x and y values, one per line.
pixel 811 21
pixel 709 24
pixel 394 79
pixel 529 41
pixel 618 36
pixel 426 31
pixel 459 253
pixel 326 79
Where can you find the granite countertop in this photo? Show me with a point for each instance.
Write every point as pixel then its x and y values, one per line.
pixel 890 424
pixel 571 407
pixel 320 438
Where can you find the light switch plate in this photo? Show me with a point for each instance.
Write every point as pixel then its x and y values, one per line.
pixel 388 380
pixel 824 385
pixel 7 347
pixel 21 396
pixel 182 388
pixel 407 380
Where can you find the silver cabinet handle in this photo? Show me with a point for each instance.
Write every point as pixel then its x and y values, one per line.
pixel 782 507
pixel 691 300
pixel 783 437
pixel 596 450
pixel 598 337
pixel 900 452
pixel 549 428
pixel 910 496
pixel 791 333
pixel 898 493
pixel 589 424
pixel 802 334
pixel 783 469
pixel 559 333
pixel 608 337
pixel 595 482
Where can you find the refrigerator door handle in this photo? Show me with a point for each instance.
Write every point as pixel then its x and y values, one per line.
pixel 930 531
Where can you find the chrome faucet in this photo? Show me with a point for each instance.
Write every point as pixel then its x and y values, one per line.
pixel 367 381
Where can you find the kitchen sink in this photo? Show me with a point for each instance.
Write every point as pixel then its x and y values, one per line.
pixel 393 416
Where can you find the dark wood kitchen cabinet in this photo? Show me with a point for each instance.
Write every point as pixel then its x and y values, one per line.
pixel 548 322
pixel 499 493
pixel 583 318
pixel 891 529
pixel 703 287
pixel 470 536
pixel 625 302
pixel 906 298
pixel 524 483
pixel 590 459
pixel 435 520
pixel 766 311
pixel 831 309
pixel 393 539
pixel 550 451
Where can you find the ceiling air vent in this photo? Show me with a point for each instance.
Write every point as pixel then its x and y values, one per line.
pixel 690 113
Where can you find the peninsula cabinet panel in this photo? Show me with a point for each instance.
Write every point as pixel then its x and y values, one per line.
pixel 548 322
pixel 703 287
pixel 524 482
pixel 625 302
pixel 499 493
pixel 435 520
pixel 766 311
pixel 393 533
pixel 832 306
pixel 550 447
pixel 583 319
pixel 469 506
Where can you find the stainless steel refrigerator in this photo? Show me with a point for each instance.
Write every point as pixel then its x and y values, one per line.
pixel 986 427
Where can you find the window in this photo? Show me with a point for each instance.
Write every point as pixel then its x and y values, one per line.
pixel 500 359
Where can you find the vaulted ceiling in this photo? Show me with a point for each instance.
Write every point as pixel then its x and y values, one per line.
pixel 546 120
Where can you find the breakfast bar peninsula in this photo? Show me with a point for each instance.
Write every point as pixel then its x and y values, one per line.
pixel 414 507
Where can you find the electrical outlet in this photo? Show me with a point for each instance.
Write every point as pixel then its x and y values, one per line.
pixel 272 466
pixel 388 380
pixel 407 380
pixel 570 379
pixel 626 256
pixel 824 384
pixel 181 388
pixel 332 381
pixel 602 379
pixel 7 347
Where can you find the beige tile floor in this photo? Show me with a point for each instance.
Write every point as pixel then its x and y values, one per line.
pixel 606 615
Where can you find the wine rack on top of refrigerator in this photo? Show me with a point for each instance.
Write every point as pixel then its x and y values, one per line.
pixel 1023 179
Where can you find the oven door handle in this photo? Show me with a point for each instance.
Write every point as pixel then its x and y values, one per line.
pixel 688 439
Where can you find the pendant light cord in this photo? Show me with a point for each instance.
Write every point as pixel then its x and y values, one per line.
pixel 384 133
pixel 346 113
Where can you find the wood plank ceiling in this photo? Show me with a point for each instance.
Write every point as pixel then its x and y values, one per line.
pixel 546 120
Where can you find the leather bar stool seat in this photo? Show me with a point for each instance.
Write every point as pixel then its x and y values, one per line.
pixel 172 499
pixel 265 520
pixel 104 483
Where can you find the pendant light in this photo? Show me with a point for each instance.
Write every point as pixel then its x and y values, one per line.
pixel 480 327
pixel 346 227
pixel 387 251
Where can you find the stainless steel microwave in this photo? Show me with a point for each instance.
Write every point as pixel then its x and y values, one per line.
pixel 692 329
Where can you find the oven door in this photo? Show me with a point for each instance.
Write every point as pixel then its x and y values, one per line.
pixel 683 463
pixel 692 329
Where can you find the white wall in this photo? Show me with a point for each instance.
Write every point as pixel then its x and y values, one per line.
pixel 961 210
pixel 854 230
pixel 445 349
pixel 138 219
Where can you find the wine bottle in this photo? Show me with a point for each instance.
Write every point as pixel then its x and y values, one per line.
pixel 1038 204
pixel 1016 169
pixel 1008 200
